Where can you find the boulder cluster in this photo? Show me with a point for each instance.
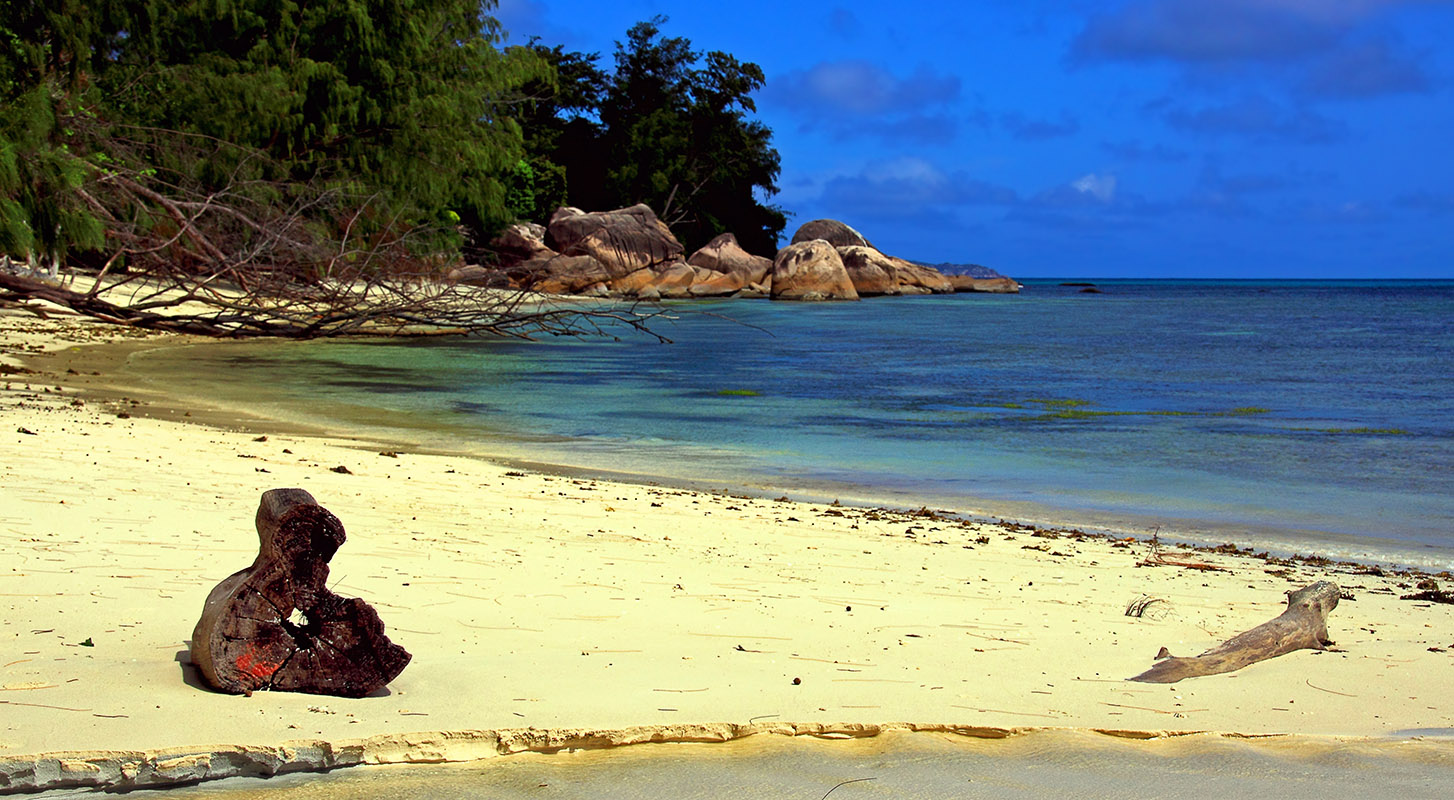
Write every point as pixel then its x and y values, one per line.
pixel 631 253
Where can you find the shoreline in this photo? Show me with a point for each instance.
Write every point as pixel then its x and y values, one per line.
pixel 374 428
pixel 169 767
pixel 578 612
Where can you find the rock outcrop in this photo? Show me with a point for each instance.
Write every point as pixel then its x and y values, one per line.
pixel 566 274
pixel 629 252
pixel 919 279
pixel 724 268
pixel 870 271
pixel 811 270
pixel 521 242
pixel 724 254
pixel 831 231
pixel 623 241
pixel 476 275
pixel 969 283
pixel 874 273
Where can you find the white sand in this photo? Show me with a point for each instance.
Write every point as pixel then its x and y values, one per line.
pixel 553 611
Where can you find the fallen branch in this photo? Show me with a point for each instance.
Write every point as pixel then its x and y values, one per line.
pixel 1304 625
pixel 1164 560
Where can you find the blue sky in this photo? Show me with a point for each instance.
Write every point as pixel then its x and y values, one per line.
pixel 1174 138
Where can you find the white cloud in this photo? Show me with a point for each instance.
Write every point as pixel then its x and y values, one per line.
pixel 1101 187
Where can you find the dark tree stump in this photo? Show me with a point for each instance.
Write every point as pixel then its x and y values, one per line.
pixel 275 625
pixel 1304 625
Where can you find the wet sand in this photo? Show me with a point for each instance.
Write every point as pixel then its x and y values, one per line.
pixel 549 612
pixel 1052 763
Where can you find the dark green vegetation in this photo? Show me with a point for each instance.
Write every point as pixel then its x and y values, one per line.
pixel 313 121
pixel 274 142
pixel 665 127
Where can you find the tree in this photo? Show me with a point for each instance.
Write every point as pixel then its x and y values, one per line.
pixel 403 98
pixel 562 139
pixel 679 139
pixel 45 49
pixel 260 167
pixel 660 130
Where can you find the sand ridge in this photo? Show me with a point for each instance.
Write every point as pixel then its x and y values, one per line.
pixel 557 605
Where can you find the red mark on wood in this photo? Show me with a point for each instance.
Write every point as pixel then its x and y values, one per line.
pixel 250 664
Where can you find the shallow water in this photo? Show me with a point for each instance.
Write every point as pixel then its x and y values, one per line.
pixel 1071 764
pixel 1301 416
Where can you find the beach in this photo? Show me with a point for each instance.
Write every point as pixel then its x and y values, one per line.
pixel 551 612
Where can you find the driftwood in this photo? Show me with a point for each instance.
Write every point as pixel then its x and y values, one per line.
pixel 1303 625
pixel 275 625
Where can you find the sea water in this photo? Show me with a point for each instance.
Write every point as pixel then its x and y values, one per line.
pixel 1298 416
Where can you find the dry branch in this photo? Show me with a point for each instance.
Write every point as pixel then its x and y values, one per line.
pixel 272 257
pixel 1304 625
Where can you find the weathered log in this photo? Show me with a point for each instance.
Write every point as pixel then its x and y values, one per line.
pixel 1304 625
pixel 275 625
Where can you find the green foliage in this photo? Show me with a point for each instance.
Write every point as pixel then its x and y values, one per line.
pixel 397 97
pixel 536 188
pixel 662 130
pixel 45 49
pixel 398 103
pixel 679 139
pixel 41 213
pixel 405 114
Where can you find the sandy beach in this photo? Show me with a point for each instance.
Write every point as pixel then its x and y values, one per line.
pixel 548 612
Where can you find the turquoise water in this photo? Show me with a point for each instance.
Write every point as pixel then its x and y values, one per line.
pixel 1301 416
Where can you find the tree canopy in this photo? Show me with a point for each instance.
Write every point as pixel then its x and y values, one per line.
pixel 279 145
pixel 667 127
pixel 402 102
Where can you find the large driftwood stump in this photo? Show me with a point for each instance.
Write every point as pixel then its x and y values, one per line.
pixel 1304 625
pixel 275 625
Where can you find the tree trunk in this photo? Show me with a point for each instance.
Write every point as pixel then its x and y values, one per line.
pixel 275 625
pixel 1303 625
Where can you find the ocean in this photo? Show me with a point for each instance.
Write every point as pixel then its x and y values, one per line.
pixel 1292 416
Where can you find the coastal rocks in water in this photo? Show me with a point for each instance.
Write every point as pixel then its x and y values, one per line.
pixel 810 271
pixel 632 284
pixel 874 273
pixel 674 280
pixel 919 279
pixel 723 254
pixel 630 253
pixel 719 284
pixel 522 259
pixel 565 274
pixel 623 241
pixel 724 268
pixel 521 242
pixel 870 271
pixel 969 283
pixel 832 231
